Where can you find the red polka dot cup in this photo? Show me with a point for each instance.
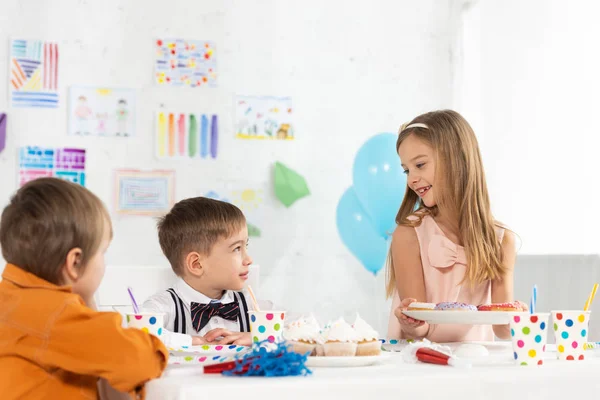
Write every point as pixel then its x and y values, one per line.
pixel 149 322
pixel 529 333
pixel 571 333
pixel 266 325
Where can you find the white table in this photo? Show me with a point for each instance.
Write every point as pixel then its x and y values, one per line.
pixel 492 377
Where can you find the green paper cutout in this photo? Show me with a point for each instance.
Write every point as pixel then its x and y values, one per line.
pixel 289 185
pixel 253 230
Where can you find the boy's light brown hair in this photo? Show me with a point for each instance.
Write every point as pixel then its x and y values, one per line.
pixel 196 224
pixel 44 220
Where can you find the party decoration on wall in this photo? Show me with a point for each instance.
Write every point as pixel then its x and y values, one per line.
pixel 366 211
pixel 149 193
pixel 188 63
pixel 191 136
pixel 253 230
pixel 249 198
pixel 101 111
pixel 3 124
pixel 264 118
pixel 33 79
pixel 290 186
pixel 64 163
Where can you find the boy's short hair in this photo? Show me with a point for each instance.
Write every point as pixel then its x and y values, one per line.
pixel 44 220
pixel 196 224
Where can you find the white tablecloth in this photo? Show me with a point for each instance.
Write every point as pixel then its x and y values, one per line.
pixel 491 377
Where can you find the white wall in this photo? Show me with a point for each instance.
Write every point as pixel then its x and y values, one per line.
pixel 353 69
pixel 531 88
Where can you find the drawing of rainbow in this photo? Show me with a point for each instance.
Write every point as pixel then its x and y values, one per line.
pixel 181 135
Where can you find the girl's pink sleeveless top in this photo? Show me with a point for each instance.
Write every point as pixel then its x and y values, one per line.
pixel 444 266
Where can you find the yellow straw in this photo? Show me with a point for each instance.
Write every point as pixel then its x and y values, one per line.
pixel 588 303
pixel 256 308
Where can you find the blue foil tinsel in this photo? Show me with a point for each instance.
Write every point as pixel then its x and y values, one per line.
pixel 271 360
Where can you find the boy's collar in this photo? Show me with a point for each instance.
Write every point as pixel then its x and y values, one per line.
pixel 188 294
pixel 25 279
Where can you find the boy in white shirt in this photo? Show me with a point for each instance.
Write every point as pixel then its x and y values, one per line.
pixel 205 241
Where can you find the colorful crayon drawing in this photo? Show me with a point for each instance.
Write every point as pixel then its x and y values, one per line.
pixel 101 112
pixel 65 163
pixel 264 118
pixel 189 63
pixel 33 78
pixel 191 136
pixel 144 192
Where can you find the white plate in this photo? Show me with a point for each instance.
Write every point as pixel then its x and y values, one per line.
pixel 462 317
pixel 341 362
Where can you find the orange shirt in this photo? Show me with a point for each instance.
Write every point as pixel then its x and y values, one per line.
pixel 53 346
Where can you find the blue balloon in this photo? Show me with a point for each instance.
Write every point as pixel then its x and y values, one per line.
pixel 358 234
pixel 379 181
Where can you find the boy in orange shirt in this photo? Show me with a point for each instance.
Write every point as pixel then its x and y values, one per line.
pixel 54 235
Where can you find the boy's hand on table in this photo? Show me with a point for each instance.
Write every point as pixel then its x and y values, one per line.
pixel 224 336
pixel 198 340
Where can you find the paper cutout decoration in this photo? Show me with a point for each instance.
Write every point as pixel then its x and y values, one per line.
pixel 3 124
pixel 33 79
pixel 264 117
pixel 253 230
pixel 186 136
pixel 101 111
pixel 64 163
pixel 144 192
pixel 188 63
pixel 289 185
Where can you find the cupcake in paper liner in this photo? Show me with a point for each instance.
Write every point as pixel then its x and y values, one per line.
pixel 303 334
pixel 340 340
pixel 368 338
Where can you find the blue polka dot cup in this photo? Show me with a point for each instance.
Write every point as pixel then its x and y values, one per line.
pixel 571 333
pixel 266 325
pixel 529 333
pixel 149 322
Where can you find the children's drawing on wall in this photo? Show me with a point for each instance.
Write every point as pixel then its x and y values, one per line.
pixel 33 78
pixel 101 111
pixel 150 193
pixel 250 199
pixel 188 63
pixel 64 163
pixel 264 117
pixel 186 136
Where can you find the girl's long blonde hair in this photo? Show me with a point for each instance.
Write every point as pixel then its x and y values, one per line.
pixel 460 193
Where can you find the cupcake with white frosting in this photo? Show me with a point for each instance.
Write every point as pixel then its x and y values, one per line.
pixel 303 334
pixel 340 340
pixel 368 338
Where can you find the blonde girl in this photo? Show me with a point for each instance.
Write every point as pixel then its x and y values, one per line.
pixel 447 246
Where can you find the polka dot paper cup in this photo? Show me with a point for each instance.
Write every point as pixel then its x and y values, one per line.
pixel 266 325
pixel 149 322
pixel 529 333
pixel 570 333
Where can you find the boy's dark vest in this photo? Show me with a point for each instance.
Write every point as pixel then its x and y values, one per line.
pixel 179 325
